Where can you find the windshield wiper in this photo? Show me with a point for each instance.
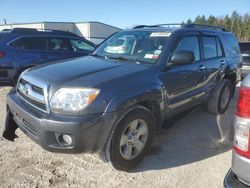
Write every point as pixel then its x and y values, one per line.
pixel 122 58
pixel 97 55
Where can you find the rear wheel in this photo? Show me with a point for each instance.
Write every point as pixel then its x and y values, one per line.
pixel 221 99
pixel 131 139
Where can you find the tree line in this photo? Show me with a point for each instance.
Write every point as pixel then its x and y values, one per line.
pixel 236 23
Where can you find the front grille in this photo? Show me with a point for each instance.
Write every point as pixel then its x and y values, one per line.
pixel 32 94
pixel 36 103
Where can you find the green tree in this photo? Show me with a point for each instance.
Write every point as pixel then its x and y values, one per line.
pixel 236 23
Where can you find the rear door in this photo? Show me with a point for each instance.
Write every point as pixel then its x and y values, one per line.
pixel 184 83
pixel 214 58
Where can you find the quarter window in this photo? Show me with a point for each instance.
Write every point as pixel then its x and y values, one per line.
pixel 189 44
pixel 81 46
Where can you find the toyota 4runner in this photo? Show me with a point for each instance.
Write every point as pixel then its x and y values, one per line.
pixel 115 100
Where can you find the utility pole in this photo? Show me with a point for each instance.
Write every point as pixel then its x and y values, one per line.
pixel 4 21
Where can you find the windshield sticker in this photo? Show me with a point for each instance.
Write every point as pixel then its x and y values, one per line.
pixel 157 52
pixel 151 56
pixel 160 34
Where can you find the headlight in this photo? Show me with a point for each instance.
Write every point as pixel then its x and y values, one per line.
pixel 72 100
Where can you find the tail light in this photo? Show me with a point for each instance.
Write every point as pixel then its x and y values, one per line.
pixel 2 54
pixel 242 123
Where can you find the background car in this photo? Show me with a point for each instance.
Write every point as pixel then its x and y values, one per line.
pixel 245 52
pixel 22 48
pixel 239 174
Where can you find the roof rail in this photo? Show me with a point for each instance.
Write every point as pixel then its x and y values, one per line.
pixel 182 26
pixel 32 31
pixel 158 25
pixel 204 26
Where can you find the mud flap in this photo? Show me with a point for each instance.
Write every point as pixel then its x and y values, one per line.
pixel 9 127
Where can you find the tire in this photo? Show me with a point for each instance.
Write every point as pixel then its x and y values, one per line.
pixel 219 102
pixel 140 120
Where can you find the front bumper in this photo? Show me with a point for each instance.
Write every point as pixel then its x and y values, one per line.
pixel 231 181
pixel 88 132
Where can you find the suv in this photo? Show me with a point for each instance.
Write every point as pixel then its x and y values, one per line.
pixel 21 48
pixel 239 174
pixel 245 51
pixel 113 103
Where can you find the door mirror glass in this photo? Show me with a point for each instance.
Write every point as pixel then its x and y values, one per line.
pixel 182 57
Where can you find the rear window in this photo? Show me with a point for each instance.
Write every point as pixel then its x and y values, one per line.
pixel 30 43
pixel 212 47
pixel 59 44
pixel 232 43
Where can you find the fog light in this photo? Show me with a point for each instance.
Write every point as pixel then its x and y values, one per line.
pixel 67 139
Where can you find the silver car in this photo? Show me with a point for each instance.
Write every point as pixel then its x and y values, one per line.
pixel 239 175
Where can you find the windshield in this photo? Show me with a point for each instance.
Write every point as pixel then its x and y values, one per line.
pixel 139 46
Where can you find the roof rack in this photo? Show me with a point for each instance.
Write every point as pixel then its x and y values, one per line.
pixel 32 31
pixel 158 25
pixel 204 26
pixel 182 26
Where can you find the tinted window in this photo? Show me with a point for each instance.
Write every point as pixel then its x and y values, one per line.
pixel 232 43
pixel 30 43
pixel 209 46
pixel 189 44
pixel 59 44
pixel 79 45
pixel 219 48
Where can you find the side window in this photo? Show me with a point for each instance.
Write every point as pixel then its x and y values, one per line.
pixel 80 45
pixel 219 48
pixel 59 44
pixel 30 43
pixel 209 46
pixel 189 44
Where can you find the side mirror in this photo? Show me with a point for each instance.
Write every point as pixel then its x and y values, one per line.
pixel 182 57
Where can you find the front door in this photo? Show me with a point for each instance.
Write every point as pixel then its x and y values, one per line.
pixel 184 83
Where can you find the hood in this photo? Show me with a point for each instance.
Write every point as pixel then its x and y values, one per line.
pixel 83 72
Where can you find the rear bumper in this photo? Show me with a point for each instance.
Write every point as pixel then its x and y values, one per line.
pixel 88 132
pixel 231 181
pixel 241 168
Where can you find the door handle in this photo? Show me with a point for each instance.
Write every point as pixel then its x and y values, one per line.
pixel 222 62
pixel 202 67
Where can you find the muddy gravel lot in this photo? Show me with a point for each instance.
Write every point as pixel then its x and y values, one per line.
pixel 194 150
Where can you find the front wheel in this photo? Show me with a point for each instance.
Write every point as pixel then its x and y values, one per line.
pixel 131 139
pixel 219 102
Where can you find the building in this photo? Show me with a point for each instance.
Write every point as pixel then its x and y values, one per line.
pixel 96 32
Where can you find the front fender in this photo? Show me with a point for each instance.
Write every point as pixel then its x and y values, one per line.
pixel 134 95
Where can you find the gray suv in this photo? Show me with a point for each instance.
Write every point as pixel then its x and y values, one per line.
pixel 115 100
pixel 239 175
